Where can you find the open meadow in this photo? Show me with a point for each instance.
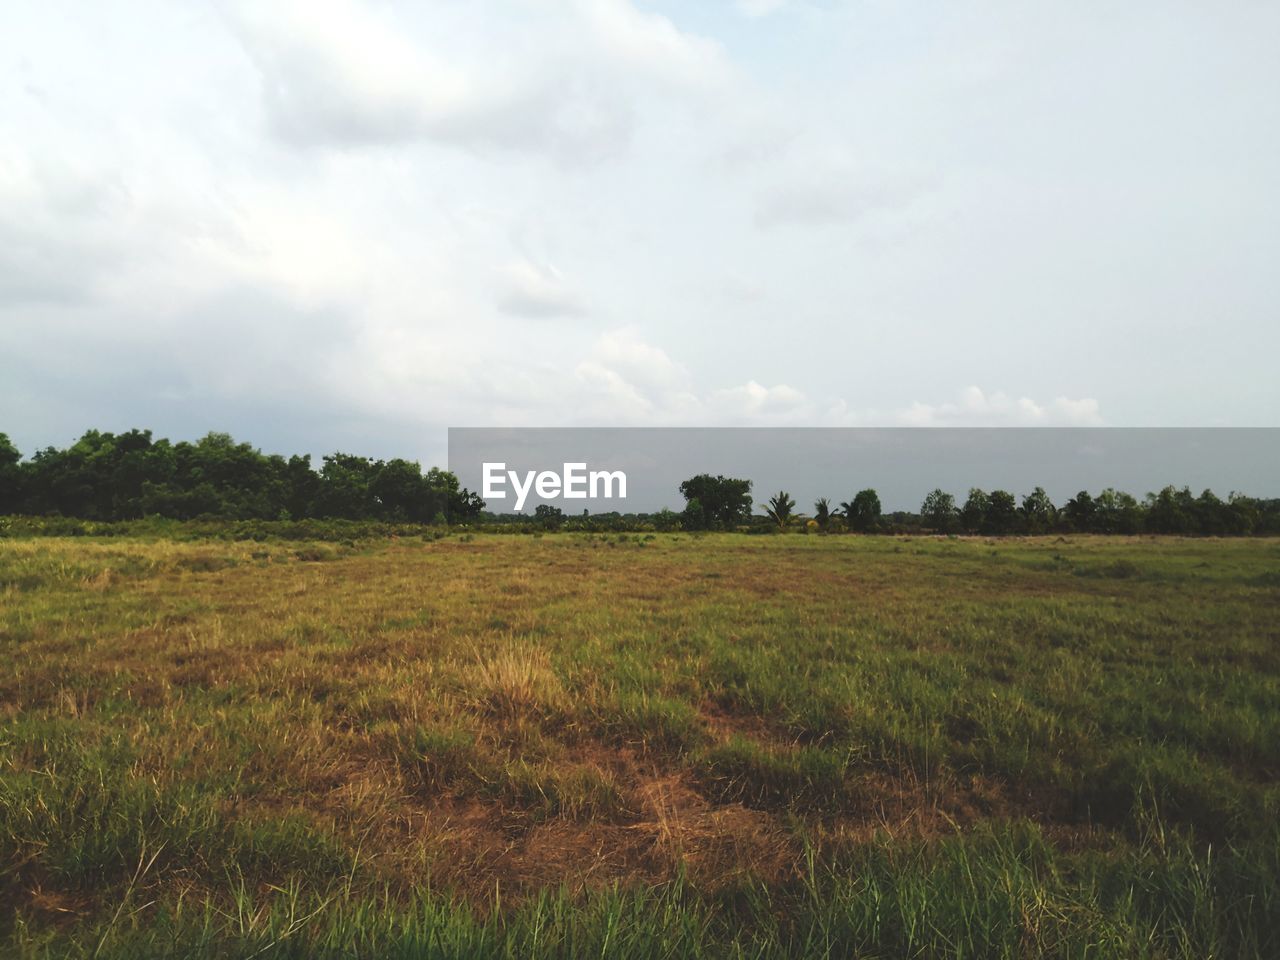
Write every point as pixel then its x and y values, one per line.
pixel 640 745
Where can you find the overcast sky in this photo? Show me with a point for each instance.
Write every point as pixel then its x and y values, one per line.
pixel 326 225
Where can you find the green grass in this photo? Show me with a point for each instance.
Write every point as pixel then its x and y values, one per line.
pixel 674 746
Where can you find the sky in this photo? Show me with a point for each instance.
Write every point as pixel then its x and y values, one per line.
pixel 326 225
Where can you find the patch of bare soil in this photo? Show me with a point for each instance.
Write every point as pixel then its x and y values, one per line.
pixel 484 849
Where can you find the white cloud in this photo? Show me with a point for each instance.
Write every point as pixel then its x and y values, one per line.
pixel 625 379
pixel 339 73
pixel 818 190
pixel 335 68
pixel 760 8
pixel 974 408
pixel 529 289
pixel 626 352
pixel 651 44
pixel 753 402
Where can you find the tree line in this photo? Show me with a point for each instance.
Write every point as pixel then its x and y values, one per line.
pixel 127 476
pixel 725 503
pixel 130 476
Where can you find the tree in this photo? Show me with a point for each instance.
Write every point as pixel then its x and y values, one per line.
pixel 548 515
pixel 862 513
pixel 1038 511
pixel 1117 512
pixel 300 485
pixel 939 511
pixel 780 508
pixel 1002 513
pixel 694 515
pixel 400 493
pixel 1081 512
pixel 344 487
pixel 460 504
pixel 1213 518
pixel 10 476
pixel 1171 511
pixel 66 481
pixel 822 512
pixel 973 515
pixel 1244 514
pixel 245 483
pixel 715 502
pixel 665 520
pixel 464 505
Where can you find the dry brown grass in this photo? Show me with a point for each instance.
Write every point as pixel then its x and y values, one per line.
pixel 516 714
pixel 517 679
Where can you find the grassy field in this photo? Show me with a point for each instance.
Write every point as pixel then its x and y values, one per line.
pixel 640 746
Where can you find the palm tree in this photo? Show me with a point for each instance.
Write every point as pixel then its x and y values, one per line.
pixel 822 512
pixel 779 509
